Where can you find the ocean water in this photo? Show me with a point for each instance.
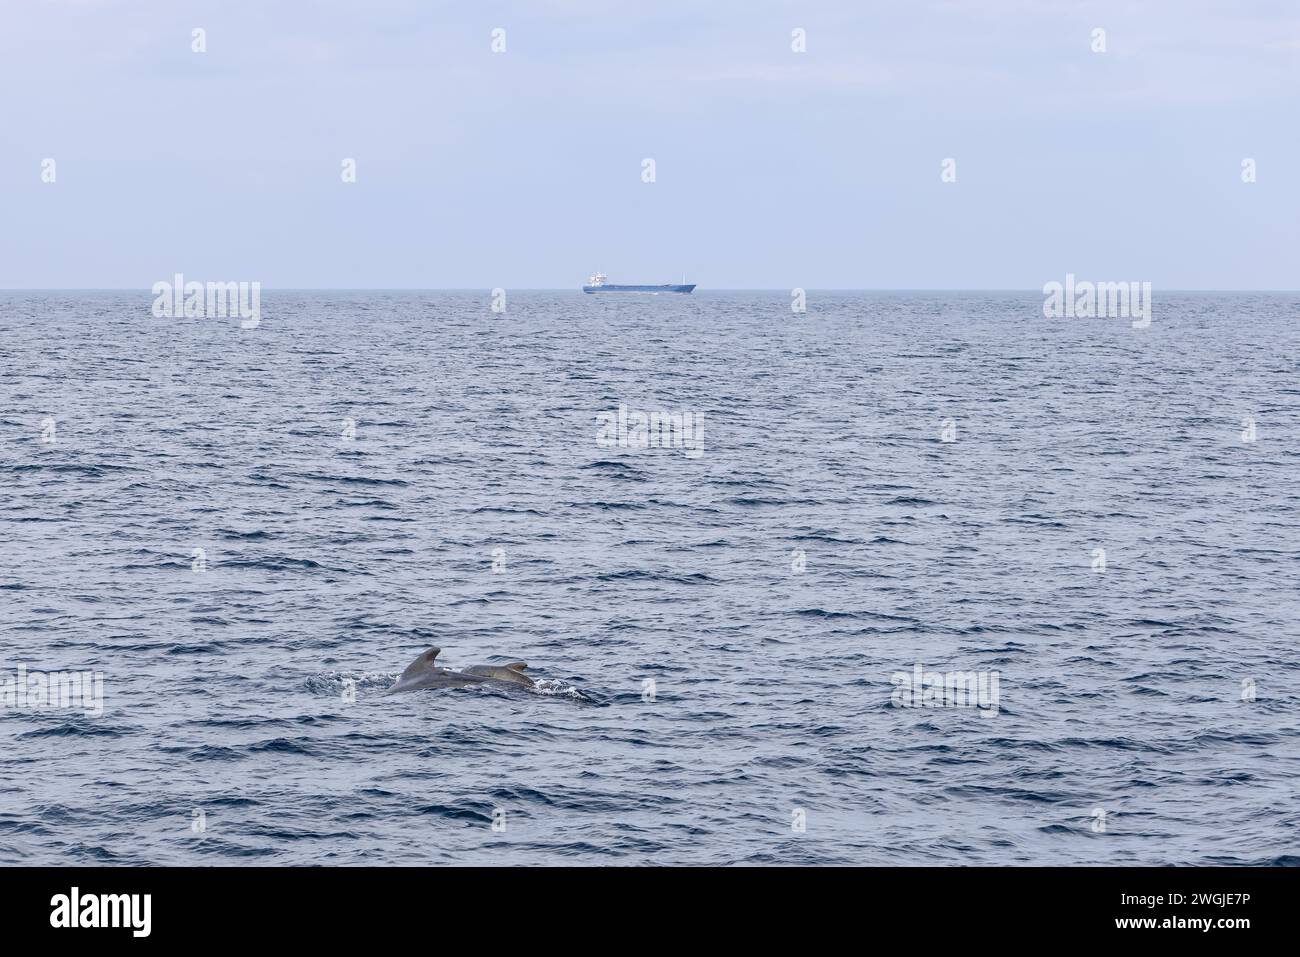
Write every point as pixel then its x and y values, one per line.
pixel 721 635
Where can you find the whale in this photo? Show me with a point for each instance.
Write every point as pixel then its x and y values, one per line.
pixel 424 672
pixel 513 673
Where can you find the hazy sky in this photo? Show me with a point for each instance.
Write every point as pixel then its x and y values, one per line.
pixel 774 169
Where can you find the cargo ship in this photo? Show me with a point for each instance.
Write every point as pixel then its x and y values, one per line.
pixel 599 283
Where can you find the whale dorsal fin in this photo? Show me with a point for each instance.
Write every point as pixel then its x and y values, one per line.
pixel 422 662
pixel 518 666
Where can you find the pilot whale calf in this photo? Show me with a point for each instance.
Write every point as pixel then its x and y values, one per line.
pixel 423 672
pixel 513 672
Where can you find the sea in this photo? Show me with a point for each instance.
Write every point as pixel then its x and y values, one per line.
pixel 904 578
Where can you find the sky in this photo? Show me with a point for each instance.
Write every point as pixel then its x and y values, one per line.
pixel 773 169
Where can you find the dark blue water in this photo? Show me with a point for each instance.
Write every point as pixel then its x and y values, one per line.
pixel 1146 713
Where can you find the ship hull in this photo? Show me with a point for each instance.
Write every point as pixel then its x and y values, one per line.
pixel 609 287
